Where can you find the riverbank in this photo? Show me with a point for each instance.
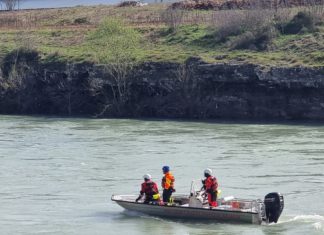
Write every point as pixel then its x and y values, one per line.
pixel 195 90
pixel 78 62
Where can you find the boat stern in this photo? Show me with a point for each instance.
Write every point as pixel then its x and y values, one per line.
pixel 273 207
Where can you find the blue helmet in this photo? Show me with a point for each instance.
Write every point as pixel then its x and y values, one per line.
pixel 165 169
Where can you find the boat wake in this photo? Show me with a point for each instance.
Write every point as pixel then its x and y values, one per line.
pixel 308 218
pixel 133 213
pixel 137 214
pixel 316 221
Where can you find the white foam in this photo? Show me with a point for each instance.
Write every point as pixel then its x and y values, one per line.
pixel 318 226
pixel 303 219
pixel 308 218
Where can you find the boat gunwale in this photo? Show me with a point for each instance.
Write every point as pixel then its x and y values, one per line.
pixel 192 208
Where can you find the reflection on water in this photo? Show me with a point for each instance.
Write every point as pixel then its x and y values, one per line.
pixel 58 174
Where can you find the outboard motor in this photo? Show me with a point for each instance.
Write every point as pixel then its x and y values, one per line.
pixel 274 204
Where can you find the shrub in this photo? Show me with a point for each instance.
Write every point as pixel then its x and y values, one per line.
pixel 220 4
pixel 300 23
pixel 282 16
pixel 172 18
pixel 21 59
pixel 242 4
pixel 63 22
pixel 227 24
pixel 129 4
pixel 258 40
pixel 243 41
pixel 251 29
pixel 264 37
pixel 196 4
pixel 81 20
pixel 316 11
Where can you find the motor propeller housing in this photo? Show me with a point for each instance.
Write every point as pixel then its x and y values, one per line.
pixel 274 204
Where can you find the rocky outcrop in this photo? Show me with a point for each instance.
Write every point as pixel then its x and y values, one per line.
pixel 164 90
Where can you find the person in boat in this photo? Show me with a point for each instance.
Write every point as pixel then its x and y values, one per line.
pixel 210 186
pixel 150 190
pixel 167 184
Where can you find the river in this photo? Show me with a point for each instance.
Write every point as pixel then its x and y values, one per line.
pixel 57 175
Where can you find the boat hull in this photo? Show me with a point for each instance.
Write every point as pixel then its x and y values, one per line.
pixel 191 213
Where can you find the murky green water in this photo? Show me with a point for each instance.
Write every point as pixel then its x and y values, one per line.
pixel 57 175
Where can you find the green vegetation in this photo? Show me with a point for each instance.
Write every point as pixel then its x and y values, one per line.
pixel 301 23
pixel 114 42
pixel 97 34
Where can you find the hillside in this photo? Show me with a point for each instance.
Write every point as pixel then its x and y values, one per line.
pixel 250 36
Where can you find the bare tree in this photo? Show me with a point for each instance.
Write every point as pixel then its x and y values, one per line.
pixel 10 5
pixel 119 44
pixel 172 18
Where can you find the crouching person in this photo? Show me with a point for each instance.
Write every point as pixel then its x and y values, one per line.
pixel 210 186
pixel 150 190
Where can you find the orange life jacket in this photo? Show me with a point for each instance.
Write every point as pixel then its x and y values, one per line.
pixel 168 181
pixel 211 184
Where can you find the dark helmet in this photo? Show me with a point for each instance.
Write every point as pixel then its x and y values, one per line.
pixel 165 169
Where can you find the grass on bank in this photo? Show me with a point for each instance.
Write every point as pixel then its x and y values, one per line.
pixel 73 34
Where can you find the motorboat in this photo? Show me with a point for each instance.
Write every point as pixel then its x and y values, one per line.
pixel 195 207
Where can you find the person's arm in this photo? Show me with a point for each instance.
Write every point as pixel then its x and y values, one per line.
pixel 139 197
pixel 216 183
pixel 172 184
pixel 141 193
pixel 204 185
pixel 155 188
pixel 163 182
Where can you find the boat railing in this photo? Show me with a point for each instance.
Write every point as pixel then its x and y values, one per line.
pixel 127 198
pixel 195 186
pixel 238 204
pixel 230 202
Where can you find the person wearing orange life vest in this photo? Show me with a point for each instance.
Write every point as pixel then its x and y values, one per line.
pixel 150 189
pixel 210 186
pixel 167 184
